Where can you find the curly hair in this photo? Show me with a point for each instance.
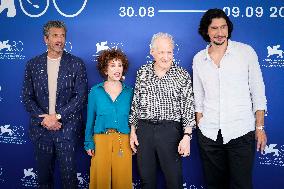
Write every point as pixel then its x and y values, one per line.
pixel 108 55
pixel 207 19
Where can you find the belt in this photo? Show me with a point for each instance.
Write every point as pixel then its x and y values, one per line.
pixel 158 121
pixel 109 131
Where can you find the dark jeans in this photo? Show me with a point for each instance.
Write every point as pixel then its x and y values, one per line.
pixel 228 166
pixel 49 148
pixel 158 145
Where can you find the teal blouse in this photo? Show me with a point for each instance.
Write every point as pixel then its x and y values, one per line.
pixel 103 113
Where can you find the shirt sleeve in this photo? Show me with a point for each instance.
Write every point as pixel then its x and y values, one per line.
pixel 133 117
pixel 197 89
pixel 187 103
pixel 91 114
pixel 256 84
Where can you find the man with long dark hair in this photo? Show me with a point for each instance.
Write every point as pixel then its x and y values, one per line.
pixel 230 104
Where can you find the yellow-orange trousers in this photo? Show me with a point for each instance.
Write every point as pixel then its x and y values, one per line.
pixel 111 169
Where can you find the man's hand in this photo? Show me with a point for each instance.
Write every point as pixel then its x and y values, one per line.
pixel 184 146
pixel 260 135
pixel 133 139
pixel 56 126
pixel 91 152
pixel 261 139
pixel 50 122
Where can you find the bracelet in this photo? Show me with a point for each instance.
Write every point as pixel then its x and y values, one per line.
pixel 188 134
pixel 261 128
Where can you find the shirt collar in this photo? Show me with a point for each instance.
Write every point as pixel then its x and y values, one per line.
pixel 229 47
pixel 102 85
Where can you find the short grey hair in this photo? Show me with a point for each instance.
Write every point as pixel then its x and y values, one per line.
pixel 53 24
pixel 161 35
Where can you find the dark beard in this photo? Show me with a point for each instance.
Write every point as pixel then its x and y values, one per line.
pixel 219 44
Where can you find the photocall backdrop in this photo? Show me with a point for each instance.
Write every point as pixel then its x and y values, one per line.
pixel 94 25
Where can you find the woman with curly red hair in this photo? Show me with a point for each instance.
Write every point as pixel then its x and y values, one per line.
pixel 107 130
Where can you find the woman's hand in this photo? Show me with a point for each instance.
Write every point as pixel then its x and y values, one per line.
pixel 91 152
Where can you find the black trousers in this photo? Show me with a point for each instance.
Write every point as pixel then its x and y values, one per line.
pixel 50 148
pixel 158 145
pixel 228 166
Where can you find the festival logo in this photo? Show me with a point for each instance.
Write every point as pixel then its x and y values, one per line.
pixel 273 155
pixel 104 45
pixel 274 57
pixel 11 50
pixel 12 134
pixel 10 6
pixel 83 180
pixel 30 178
pixel 36 10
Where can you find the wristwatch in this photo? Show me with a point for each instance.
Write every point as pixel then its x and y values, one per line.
pixel 188 134
pixel 261 128
pixel 58 116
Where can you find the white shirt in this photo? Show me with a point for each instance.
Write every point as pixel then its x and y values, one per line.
pixel 52 72
pixel 229 96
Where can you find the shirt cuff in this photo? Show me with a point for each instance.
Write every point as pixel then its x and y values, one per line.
pixel 89 145
pixel 187 123
pixel 259 107
pixel 134 123
pixel 199 109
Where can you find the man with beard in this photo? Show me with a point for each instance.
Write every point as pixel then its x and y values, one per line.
pixel 230 104
pixel 54 93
